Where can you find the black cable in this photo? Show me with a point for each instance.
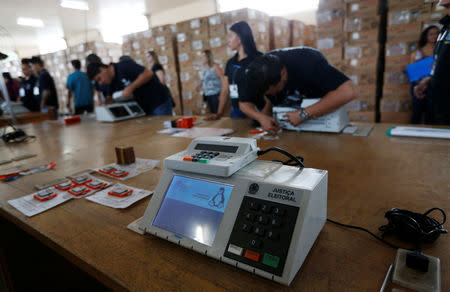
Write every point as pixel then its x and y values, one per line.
pixel 297 160
pixel 409 226
pixel 365 230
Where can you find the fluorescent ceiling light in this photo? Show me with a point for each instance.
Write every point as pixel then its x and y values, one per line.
pixel 74 4
pixel 34 22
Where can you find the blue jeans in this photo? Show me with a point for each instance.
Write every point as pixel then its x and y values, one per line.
pixel 164 109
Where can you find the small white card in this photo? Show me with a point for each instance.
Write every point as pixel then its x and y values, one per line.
pixel 103 198
pixel 30 206
pixel 234 93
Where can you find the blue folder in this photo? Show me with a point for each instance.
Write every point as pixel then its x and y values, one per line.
pixel 419 69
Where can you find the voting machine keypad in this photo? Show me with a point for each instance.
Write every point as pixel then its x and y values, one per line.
pixel 262 234
pixel 201 157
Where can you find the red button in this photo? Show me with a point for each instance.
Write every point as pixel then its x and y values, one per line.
pixel 252 255
pixel 188 158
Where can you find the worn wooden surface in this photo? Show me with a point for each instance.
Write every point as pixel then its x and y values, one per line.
pixel 367 177
pixel 25 118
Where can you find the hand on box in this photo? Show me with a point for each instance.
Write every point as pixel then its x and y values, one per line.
pixel 294 118
pixel 269 124
pixel 127 92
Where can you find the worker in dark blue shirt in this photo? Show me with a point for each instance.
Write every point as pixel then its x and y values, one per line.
pixel 302 71
pixel 134 81
pixel 28 92
pixel 46 85
pixel 436 88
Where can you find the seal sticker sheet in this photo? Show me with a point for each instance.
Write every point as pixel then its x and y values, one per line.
pixel 123 172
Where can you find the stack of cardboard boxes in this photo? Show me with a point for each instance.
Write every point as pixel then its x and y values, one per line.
pixel 161 40
pixel 302 34
pixel 347 34
pixel 192 39
pixel 59 68
pixel 280 29
pixel 405 22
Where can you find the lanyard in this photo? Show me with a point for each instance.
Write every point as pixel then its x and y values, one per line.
pixel 233 76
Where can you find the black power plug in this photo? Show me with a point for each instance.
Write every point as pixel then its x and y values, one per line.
pixel 417 261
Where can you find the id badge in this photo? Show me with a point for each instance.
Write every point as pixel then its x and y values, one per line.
pixel 22 92
pixel 234 91
pixel 36 90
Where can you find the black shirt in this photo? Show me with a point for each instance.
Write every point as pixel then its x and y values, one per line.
pixel 309 74
pixel 46 82
pixel 157 67
pixel 149 96
pixel 105 90
pixel 235 71
pixel 439 91
pixel 29 100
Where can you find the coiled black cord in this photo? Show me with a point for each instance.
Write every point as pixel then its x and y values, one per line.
pixel 409 226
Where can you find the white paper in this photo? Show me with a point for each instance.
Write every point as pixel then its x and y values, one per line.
pixel 171 131
pixel 134 169
pixel 103 198
pixel 30 206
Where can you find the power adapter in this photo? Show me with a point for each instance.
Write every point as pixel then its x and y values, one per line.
pixel 17 135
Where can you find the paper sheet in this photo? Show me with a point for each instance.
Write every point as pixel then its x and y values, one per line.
pixel 195 132
pixel 134 169
pixel 30 206
pixel 103 198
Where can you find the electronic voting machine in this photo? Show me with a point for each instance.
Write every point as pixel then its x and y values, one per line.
pixel 333 122
pixel 259 216
pixel 118 112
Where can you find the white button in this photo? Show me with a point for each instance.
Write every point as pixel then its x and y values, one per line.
pixel 234 249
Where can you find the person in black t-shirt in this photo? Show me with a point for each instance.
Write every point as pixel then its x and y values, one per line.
pixel 300 70
pixel 240 39
pixel 437 86
pixel 46 84
pixel 158 70
pixel 27 87
pixel 134 81
pixel 103 92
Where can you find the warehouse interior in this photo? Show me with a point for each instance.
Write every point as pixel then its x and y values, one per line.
pixel 224 145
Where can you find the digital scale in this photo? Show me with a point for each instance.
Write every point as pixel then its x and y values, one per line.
pixel 118 112
pixel 260 216
pixel 333 122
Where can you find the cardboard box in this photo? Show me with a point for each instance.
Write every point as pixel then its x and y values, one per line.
pixel 404 32
pixel 363 8
pixel 361 23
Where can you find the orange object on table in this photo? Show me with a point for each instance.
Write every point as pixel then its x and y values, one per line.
pixel 72 120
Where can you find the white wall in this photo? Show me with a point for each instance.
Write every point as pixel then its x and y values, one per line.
pixel 183 12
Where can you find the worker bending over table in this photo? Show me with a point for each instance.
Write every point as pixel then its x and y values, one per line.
pixel 302 71
pixel 135 81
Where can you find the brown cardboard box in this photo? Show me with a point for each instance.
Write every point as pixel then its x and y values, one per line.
pixel 363 37
pixel 329 15
pixel 404 32
pixel 409 15
pixel 361 23
pixel 363 8
pixel 360 116
pixel 331 4
pixel 361 51
pixel 396 118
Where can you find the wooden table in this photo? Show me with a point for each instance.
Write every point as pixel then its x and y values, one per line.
pixel 367 177
pixel 25 118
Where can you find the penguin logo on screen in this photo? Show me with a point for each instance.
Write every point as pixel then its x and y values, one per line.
pixel 218 200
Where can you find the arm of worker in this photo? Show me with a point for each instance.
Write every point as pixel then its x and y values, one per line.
pixel 69 97
pixel 329 103
pixel 143 78
pixel 161 76
pixel 224 94
pixel 264 117
pixel 419 90
pixel 44 97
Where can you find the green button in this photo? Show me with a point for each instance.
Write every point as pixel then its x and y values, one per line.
pixel 203 160
pixel 271 260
